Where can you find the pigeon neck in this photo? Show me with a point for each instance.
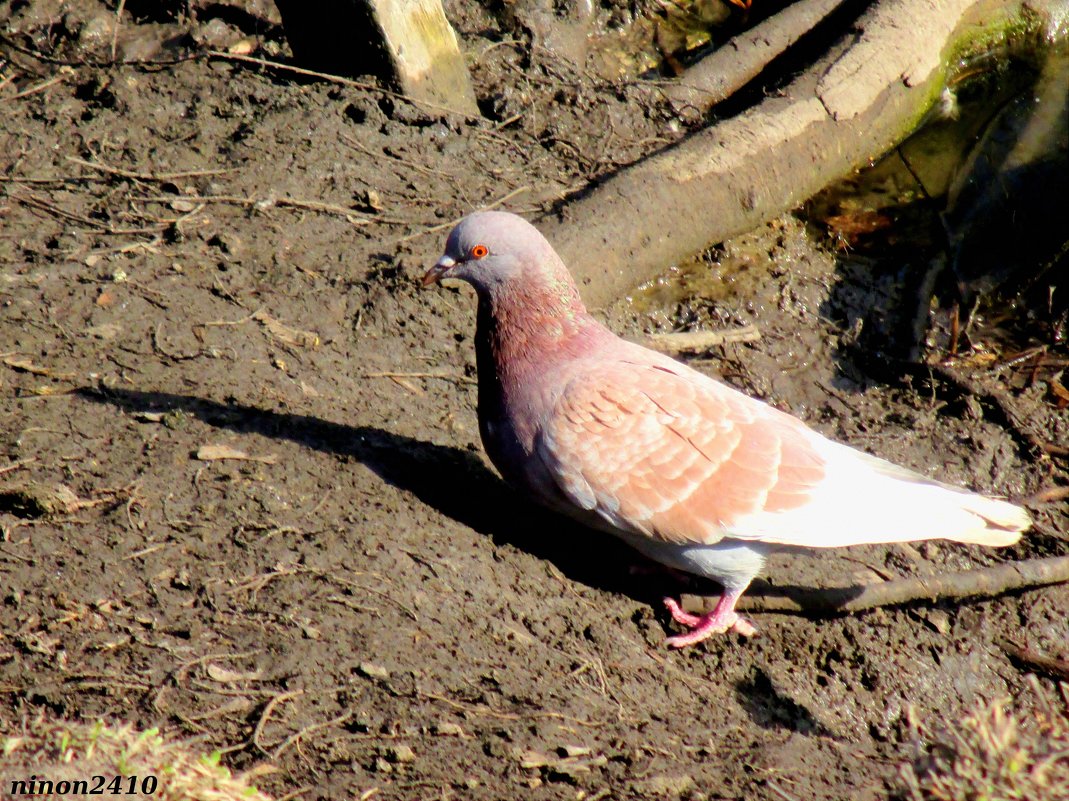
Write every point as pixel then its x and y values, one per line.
pixel 533 321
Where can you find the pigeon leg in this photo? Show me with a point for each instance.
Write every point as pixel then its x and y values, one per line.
pixel 723 618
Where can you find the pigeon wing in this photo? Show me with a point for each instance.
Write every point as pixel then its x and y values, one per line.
pixel 671 454
pixel 658 449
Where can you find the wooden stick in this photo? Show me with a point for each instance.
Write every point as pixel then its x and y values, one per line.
pixel 984 583
pixel 701 341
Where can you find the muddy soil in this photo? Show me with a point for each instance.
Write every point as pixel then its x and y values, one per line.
pixel 244 496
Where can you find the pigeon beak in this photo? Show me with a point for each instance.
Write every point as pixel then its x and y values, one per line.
pixel 440 268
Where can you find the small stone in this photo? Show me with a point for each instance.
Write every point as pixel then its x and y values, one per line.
pixel 400 754
pixel 573 750
pixel 373 671
pixel 448 729
pixel 370 200
pixel 664 785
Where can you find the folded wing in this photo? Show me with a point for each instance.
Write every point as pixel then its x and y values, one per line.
pixel 661 450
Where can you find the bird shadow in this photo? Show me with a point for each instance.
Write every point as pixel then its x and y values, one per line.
pixel 452 480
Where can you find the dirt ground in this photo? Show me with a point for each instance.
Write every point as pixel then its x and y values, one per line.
pixel 251 504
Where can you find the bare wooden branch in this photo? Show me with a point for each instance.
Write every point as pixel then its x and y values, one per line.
pixel 984 583
pixel 731 66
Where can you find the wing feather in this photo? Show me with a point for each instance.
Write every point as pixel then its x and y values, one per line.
pixel 657 452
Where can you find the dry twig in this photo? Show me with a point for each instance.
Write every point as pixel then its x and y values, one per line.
pixel 442 226
pixel 701 341
pixel 324 76
pixel 1058 668
pixel 986 583
pixel 147 177
pixel 456 379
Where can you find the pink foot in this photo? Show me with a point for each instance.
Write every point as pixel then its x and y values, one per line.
pixel 722 619
pixel 679 616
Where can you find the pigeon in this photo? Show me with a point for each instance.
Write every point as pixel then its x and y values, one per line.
pixel 690 472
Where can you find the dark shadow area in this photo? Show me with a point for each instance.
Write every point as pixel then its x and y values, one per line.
pixel 342 41
pixel 770 708
pixel 452 480
pixel 814 601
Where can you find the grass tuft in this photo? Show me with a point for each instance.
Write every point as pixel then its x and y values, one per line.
pixel 58 751
pixel 996 754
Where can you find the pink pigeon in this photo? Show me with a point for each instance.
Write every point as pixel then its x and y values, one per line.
pixel 687 470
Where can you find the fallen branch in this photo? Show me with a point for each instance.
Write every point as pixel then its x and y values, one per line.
pixel 731 66
pixel 985 583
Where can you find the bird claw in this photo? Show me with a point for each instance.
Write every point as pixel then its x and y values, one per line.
pixel 722 619
pixel 679 616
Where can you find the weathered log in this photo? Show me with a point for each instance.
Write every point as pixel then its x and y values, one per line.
pixel 844 111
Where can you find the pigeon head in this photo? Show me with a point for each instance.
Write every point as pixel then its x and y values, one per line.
pixel 496 251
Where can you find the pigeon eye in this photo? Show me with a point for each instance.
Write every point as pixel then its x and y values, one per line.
pixel 479 251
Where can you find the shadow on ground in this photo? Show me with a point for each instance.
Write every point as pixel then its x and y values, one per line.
pixel 452 480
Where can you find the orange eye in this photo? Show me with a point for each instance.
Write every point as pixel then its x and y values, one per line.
pixel 479 251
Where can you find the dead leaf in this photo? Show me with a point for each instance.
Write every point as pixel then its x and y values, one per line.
pixel 24 365
pixel 226 676
pixel 284 333
pixel 215 453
